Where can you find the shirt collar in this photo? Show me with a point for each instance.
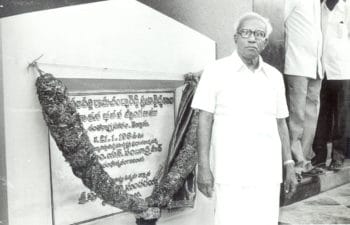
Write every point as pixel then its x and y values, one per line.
pixel 239 64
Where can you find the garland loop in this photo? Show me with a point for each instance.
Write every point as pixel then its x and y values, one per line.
pixel 72 140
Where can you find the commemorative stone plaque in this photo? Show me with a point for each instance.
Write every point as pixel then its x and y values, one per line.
pixel 130 132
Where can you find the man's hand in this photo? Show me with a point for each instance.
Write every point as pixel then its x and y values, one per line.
pixel 290 181
pixel 205 181
pixel 205 177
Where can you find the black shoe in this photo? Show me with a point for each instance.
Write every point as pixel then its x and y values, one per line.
pixel 321 165
pixel 335 165
pixel 313 172
pixel 316 161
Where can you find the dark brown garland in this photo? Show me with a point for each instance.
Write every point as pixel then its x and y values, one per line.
pixel 71 138
pixel 183 165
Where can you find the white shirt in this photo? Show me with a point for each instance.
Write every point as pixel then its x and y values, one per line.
pixel 303 43
pixel 336 44
pixel 245 105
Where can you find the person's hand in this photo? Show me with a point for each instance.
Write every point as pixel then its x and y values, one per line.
pixel 205 181
pixel 290 181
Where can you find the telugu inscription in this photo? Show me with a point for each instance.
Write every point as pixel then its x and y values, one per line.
pixel 130 133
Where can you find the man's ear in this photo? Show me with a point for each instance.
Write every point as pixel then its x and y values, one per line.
pixel 262 44
pixel 266 41
pixel 235 37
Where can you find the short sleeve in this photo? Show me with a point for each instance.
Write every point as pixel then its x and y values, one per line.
pixel 205 95
pixel 282 107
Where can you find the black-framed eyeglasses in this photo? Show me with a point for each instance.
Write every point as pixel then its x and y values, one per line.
pixel 246 33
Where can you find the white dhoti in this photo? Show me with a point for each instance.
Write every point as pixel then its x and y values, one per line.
pixel 253 205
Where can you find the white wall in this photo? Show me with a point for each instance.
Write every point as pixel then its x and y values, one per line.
pixel 215 19
pixel 106 40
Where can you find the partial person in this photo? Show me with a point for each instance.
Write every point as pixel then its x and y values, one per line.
pixel 335 94
pixel 242 122
pixel 303 76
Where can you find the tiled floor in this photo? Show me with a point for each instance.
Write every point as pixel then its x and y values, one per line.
pixel 330 207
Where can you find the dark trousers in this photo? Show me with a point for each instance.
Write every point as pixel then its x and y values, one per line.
pixel 332 120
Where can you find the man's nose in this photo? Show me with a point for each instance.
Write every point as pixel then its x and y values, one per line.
pixel 252 38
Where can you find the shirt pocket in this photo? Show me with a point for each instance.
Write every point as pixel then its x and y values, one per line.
pixel 341 30
pixel 339 21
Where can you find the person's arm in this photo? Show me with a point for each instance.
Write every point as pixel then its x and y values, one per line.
pixel 290 180
pixel 205 177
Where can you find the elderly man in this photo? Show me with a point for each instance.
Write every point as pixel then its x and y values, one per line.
pixel 242 120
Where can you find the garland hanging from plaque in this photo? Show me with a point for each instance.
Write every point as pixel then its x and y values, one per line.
pixel 72 140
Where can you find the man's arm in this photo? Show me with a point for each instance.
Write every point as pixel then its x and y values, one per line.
pixel 290 180
pixel 205 178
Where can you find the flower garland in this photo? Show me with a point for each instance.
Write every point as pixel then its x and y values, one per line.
pixel 72 140
pixel 183 164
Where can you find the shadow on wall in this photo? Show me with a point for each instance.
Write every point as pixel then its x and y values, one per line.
pixel 273 10
pixel 14 7
pixel 274 55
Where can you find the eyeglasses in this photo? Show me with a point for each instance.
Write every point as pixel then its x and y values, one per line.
pixel 246 33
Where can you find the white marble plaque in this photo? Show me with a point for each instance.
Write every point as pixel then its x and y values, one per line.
pixel 131 132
